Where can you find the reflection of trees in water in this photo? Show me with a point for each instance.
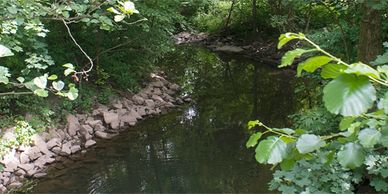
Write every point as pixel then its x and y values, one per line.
pixel 203 148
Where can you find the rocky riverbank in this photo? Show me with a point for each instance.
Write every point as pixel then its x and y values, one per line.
pixel 82 131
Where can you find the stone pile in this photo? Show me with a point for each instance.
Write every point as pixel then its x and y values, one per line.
pixel 82 131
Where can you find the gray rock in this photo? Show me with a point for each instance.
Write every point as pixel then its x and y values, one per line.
pixel 86 131
pixel 110 117
pixel 171 92
pixel 230 49
pixel 54 142
pixel 150 103
pixel 3 189
pixel 135 114
pixel 66 149
pixel 75 148
pixel 99 127
pixel 118 105
pixel 56 150
pixel 157 98
pixel 141 111
pixel 41 144
pixel 93 123
pixel 90 143
pixel 72 125
pixel 128 118
pixel 14 185
pixel 40 175
pixel 34 153
pixel 138 99
pixel 157 84
pixel 102 135
pixel 27 167
pixel 157 91
pixel 187 99
pixel 174 87
pixel 24 158
pixel 11 166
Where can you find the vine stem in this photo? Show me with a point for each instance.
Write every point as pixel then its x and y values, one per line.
pixel 276 132
pixel 15 93
pixel 80 48
pixel 339 61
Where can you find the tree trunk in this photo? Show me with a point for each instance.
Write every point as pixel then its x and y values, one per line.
pixel 230 14
pixel 254 15
pixel 370 35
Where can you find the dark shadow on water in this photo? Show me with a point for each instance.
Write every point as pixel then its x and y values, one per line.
pixel 198 149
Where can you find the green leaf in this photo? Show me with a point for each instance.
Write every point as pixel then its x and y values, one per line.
pixel 41 92
pixel 285 38
pixel 52 77
pixel 385 103
pixel 271 150
pixel 346 122
pixel 331 71
pixel 5 52
pixel 308 143
pixel 252 124
pixel 384 136
pixel 349 95
pixel 253 139
pixel 289 57
pixel 351 155
pixel 68 65
pixel 311 64
pixel 4 75
pixel 119 18
pixel 59 85
pixel 287 164
pixel 20 79
pixel 300 131
pixel 41 82
pixel 380 184
pixel 362 69
pixel 113 10
pixel 369 137
pixel 73 93
pixel 68 71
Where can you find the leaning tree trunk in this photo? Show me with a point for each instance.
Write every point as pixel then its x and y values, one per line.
pixel 370 35
pixel 254 15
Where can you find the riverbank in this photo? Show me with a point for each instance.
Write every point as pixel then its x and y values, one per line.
pixel 82 131
pixel 263 50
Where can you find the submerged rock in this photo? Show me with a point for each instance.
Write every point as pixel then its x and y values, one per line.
pixel 90 143
pixel 103 135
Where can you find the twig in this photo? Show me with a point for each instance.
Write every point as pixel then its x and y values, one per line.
pixel 80 48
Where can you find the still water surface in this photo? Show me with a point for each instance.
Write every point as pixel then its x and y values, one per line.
pixel 199 148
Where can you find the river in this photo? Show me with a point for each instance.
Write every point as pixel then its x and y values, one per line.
pixel 198 148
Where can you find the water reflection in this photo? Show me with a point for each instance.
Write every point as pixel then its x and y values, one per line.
pixel 199 149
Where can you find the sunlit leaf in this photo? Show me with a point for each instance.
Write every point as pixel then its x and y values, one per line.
pixel 331 71
pixel 369 137
pixel 5 52
pixel 351 155
pixel 73 93
pixel 119 18
pixel 362 69
pixel 349 95
pixel 52 77
pixel 289 57
pixel 59 85
pixel 253 139
pixel 311 64
pixel 271 150
pixel 285 38
pixel 41 82
pixel 68 71
pixel 346 122
pixel 308 143
pixel 41 92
